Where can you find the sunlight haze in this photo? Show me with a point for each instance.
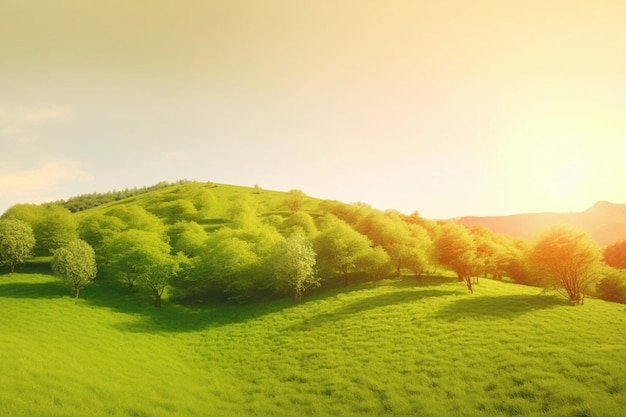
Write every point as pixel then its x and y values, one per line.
pixel 448 108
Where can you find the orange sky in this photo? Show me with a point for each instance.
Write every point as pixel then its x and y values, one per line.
pixel 446 107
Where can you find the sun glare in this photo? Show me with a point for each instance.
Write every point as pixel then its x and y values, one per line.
pixel 567 183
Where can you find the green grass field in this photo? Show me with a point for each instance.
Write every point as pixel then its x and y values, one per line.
pixel 394 347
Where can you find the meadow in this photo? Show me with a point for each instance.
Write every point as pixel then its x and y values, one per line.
pixel 393 347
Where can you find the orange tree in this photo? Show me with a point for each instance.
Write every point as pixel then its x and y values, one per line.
pixel 566 259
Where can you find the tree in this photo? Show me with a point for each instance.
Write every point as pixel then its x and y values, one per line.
pixel 615 254
pixel 567 259
pixel 97 229
pixel 16 242
pixel 57 228
pixel 134 251
pixel 29 213
pixel 455 249
pixel 295 265
pixel 160 271
pixel 340 248
pixel 177 210
pixel 302 221
pixel 420 255
pixel 187 237
pixel 238 263
pixel 138 218
pixel 76 263
pixel 295 200
pixel 613 286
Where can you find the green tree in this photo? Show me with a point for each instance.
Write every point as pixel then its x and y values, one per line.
pixel 613 286
pixel 238 263
pixel 56 228
pixel 295 200
pixel 454 248
pixel 187 237
pixel 76 263
pixel 568 260
pixel 133 251
pixel 16 242
pixel 97 229
pixel 302 221
pixel 340 248
pixel 29 213
pixel 418 253
pixel 295 266
pixel 138 218
pixel 177 210
pixel 160 271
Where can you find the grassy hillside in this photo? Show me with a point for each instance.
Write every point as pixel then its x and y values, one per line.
pixel 218 199
pixel 393 347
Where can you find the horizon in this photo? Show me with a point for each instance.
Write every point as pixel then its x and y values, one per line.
pixel 448 109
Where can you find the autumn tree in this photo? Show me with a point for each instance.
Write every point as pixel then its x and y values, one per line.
pixel 454 248
pixel 76 264
pixel 615 254
pixel 568 260
pixel 16 242
pixel 295 265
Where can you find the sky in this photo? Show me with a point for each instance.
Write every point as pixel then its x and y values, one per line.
pixel 447 108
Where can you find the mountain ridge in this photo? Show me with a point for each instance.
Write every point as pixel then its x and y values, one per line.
pixel 604 220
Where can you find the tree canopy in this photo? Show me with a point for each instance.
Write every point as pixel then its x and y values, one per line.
pixel 568 259
pixel 16 242
pixel 76 263
pixel 295 266
pixel 454 248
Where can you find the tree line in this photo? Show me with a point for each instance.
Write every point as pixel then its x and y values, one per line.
pixel 255 254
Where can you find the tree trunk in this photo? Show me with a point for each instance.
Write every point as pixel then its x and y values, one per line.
pixel 12 267
pixel 468 282
pixel 76 292
pixel 157 300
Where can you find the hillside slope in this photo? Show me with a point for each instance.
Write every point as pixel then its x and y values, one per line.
pixel 605 221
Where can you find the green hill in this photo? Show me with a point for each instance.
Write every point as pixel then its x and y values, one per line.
pixel 212 202
pixel 393 347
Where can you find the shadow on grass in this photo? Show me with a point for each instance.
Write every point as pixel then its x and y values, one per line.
pixel 33 290
pixel 370 303
pixel 179 317
pixel 501 306
pixel 171 316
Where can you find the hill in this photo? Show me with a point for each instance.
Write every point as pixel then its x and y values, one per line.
pixel 392 347
pixel 605 221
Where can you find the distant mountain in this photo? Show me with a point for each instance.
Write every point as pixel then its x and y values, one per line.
pixel 605 221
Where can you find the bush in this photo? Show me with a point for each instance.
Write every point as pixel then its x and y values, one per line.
pixel 613 287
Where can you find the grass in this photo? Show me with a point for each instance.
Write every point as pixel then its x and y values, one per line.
pixel 395 347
